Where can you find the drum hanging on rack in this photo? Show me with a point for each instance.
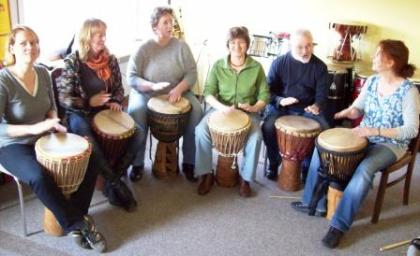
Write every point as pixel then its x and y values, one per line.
pixel 167 123
pixel 340 152
pixel 229 132
pixel 359 81
pixel 337 93
pixel 113 130
pixel 295 137
pixel 65 157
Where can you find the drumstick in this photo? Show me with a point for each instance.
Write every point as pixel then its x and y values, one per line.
pixel 285 197
pixel 395 245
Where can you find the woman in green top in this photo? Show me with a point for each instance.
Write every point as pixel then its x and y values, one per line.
pixel 235 82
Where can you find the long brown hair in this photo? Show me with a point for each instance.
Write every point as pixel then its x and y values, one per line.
pixel 398 52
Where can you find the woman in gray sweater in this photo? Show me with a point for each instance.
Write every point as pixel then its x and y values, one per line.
pixel 163 59
pixel 28 111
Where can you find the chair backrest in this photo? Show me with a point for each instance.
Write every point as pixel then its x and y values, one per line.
pixel 55 74
pixel 414 145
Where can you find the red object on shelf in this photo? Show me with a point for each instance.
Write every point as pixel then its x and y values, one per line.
pixel 359 82
pixel 347 30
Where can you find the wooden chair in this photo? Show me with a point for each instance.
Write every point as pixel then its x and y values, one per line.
pixel 408 161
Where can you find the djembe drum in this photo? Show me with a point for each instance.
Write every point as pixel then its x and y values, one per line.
pixel 228 132
pixel 65 157
pixel 347 30
pixel 295 137
pixel 340 152
pixel 113 130
pixel 167 123
pixel 359 82
pixel 337 92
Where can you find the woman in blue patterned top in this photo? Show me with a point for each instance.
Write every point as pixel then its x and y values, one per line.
pixel 390 106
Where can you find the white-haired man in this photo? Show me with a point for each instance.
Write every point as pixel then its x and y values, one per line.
pixel 298 83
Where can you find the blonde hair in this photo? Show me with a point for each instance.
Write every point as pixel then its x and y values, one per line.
pixel 89 28
pixel 10 58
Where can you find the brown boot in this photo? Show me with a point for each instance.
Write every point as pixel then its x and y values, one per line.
pixel 205 184
pixel 245 189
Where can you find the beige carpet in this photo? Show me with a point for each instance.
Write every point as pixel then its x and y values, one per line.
pixel 173 220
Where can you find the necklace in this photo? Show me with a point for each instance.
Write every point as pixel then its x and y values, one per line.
pixel 237 66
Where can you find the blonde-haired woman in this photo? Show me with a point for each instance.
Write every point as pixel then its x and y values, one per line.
pixel 28 111
pixel 91 82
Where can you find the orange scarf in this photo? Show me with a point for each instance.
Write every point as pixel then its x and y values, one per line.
pixel 100 65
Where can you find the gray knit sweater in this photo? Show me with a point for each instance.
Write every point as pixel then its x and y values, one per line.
pixel 18 107
pixel 154 63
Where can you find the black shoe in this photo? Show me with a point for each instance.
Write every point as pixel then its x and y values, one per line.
pixel 86 235
pixel 332 238
pixel 80 240
pixel 271 172
pixel 188 170
pixel 300 207
pixel 119 195
pixel 136 173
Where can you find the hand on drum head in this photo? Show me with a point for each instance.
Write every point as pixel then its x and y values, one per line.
pixel 175 95
pixel 365 131
pixel 49 124
pixel 351 113
pixel 159 86
pixel 114 106
pixel 247 107
pixel 60 128
pixel 314 109
pixel 99 99
pixel 227 109
pixel 288 101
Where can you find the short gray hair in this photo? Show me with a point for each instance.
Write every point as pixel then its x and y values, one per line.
pixel 157 13
pixel 300 33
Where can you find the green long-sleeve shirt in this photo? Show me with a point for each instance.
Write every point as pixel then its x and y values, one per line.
pixel 231 88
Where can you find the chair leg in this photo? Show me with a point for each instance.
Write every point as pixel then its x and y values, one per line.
pixel 379 197
pixel 407 182
pixel 22 206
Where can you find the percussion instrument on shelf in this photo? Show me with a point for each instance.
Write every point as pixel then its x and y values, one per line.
pixel 113 130
pixel 347 30
pixel 337 93
pixel 259 45
pixel 295 137
pixel 229 132
pixel 65 157
pixel 359 81
pixel 167 123
pixel 340 152
pixel 267 46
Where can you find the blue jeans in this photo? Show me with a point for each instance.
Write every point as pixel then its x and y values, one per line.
pixel 137 108
pixel 377 158
pixel 251 152
pixel 270 136
pixel 81 125
pixel 29 171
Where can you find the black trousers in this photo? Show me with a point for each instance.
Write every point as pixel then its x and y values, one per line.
pixel 20 160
